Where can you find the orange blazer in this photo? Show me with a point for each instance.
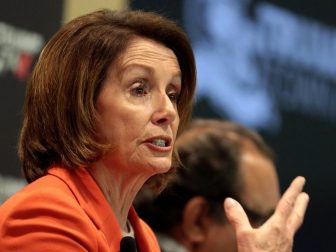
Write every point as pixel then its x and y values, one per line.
pixel 65 211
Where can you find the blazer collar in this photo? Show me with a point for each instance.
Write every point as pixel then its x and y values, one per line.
pixel 92 200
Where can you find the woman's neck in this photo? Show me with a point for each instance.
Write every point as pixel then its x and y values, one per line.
pixel 119 189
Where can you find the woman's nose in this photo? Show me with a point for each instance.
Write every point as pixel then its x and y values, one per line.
pixel 165 110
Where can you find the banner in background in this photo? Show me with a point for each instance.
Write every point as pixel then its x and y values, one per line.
pixel 25 26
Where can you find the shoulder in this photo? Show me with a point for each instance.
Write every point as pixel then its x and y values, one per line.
pixel 45 212
pixel 48 192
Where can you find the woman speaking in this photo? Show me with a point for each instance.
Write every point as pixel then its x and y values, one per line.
pixel 108 96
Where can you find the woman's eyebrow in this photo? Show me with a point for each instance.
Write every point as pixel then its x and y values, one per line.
pixel 132 66
pixel 148 69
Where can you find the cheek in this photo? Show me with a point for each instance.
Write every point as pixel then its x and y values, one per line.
pixel 130 125
pixel 222 238
pixel 111 125
pixel 124 123
pixel 107 133
pixel 176 125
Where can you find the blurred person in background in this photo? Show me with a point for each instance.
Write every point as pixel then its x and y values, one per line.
pixel 219 160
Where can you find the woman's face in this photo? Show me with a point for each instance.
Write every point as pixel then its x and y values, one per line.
pixel 137 108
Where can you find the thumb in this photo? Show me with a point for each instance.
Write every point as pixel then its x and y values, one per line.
pixel 236 215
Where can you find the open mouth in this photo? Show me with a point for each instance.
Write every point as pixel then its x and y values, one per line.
pixel 160 142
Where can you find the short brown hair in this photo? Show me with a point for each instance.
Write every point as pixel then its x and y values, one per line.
pixel 59 109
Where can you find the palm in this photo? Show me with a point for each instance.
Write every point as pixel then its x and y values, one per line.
pixel 277 233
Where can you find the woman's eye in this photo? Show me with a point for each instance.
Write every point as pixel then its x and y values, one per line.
pixel 139 91
pixel 174 97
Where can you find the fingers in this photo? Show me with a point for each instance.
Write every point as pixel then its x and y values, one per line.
pixel 289 198
pixel 236 215
pixel 296 217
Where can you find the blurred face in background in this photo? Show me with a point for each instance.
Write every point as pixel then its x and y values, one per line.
pixel 259 197
pixel 261 191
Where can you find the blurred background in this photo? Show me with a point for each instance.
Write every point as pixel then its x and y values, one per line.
pixel 267 64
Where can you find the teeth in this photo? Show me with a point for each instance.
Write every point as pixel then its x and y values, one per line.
pixel 159 142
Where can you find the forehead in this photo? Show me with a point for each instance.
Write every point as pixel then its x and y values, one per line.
pixel 261 188
pixel 147 52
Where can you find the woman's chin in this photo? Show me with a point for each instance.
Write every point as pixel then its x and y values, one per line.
pixel 160 166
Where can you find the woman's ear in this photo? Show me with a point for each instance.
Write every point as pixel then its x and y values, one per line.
pixel 194 222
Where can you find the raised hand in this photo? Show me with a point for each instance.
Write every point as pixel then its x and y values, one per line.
pixel 277 233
